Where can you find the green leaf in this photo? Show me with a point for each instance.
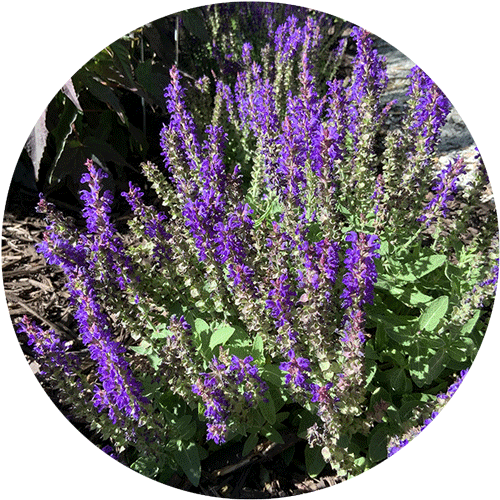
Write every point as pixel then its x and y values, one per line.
pixel 160 332
pixel 194 22
pixel 282 416
pixel 185 428
pixel 273 375
pixel 412 271
pixel 63 130
pixel 105 152
pixel 250 444
pixel 314 460
pixel 406 410
pixel 402 334
pixel 147 466
pixel 273 435
pixel 469 326
pixel 307 419
pixel 456 353
pixel 398 380
pixel 144 348
pixel 418 363
pixel 436 365
pixel 413 297
pixel 268 409
pixel 377 446
pixel 106 95
pixel 155 360
pixel 121 51
pixel 189 460
pixel 371 370
pixel 221 336
pixel 287 455
pixel 200 326
pixel 258 348
pixel 433 314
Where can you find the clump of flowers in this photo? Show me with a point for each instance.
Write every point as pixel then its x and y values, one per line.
pixel 295 273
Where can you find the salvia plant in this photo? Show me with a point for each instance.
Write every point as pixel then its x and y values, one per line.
pixel 307 271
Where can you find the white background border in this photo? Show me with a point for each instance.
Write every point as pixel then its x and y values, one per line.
pixel 44 43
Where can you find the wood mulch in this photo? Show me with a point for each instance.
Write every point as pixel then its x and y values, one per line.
pixel 31 286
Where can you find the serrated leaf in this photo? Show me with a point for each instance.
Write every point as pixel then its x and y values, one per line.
pixel 63 130
pixel 221 336
pixel 314 460
pixel 37 140
pixel 104 94
pixel 69 91
pixel 250 444
pixel 189 460
pixel 122 54
pixel 143 74
pixel 433 314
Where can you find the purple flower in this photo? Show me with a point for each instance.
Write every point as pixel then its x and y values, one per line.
pixel 296 368
pixel 321 394
pixel 369 74
pixel 62 245
pixel 280 303
pixel 109 450
pixel 454 387
pixel 105 249
pixel 369 79
pixel 393 449
pixel 51 352
pixel 219 389
pixel 178 140
pixel 361 272
pixel 445 188
pixel 120 393
pixel 494 278
pixel 245 53
pixel 429 108
pixel 154 223
pixel 287 39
